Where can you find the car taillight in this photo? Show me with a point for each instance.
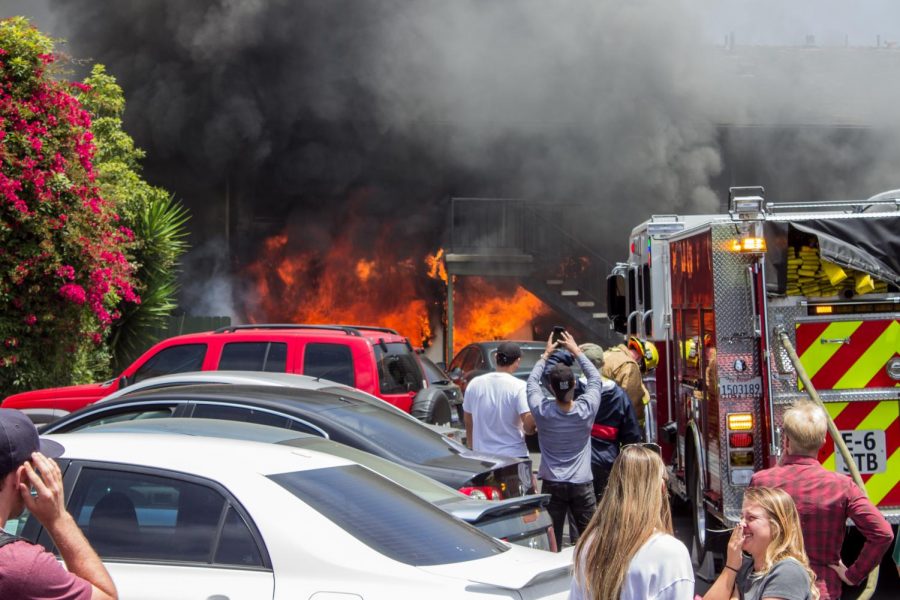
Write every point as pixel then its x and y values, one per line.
pixel 741 440
pixel 482 492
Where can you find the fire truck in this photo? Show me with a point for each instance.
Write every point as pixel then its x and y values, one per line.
pixel 715 293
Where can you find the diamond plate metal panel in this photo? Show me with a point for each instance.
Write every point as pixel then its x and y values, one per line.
pixel 737 351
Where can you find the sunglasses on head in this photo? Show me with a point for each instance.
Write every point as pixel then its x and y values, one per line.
pixel 648 445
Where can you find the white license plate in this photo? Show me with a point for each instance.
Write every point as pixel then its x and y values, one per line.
pixel 867 448
pixel 738 389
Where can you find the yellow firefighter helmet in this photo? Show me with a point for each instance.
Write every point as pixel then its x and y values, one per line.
pixel 690 352
pixel 647 351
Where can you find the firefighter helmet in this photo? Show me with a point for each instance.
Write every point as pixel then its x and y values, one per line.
pixel 690 352
pixel 646 351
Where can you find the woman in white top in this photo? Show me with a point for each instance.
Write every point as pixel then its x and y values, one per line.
pixel 627 551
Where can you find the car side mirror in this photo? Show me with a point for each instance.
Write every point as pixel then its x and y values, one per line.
pixel 123 381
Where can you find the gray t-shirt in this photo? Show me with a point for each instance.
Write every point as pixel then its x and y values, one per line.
pixel 787 579
pixel 565 436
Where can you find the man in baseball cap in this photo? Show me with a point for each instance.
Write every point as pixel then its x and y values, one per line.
pixel 30 479
pixel 495 409
pixel 564 429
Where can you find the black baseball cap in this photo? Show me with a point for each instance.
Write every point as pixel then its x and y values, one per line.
pixel 507 352
pixel 562 382
pixel 19 439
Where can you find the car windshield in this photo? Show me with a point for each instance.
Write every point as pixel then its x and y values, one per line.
pixel 387 518
pixel 398 369
pixel 395 434
pixel 432 372
pixel 529 357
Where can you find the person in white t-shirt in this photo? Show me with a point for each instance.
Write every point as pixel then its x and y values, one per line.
pixel 627 551
pixel 496 410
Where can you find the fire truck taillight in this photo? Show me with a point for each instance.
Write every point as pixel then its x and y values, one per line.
pixel 749 245
pixel 740 421
pixel 741 459
pixel 741 440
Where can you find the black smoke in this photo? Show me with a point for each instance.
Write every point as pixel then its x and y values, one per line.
pixel 261 114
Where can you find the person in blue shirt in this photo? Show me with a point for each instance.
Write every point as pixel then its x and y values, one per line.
pixel 564 430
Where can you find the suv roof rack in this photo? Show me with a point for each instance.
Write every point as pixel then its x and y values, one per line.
pixel 348 329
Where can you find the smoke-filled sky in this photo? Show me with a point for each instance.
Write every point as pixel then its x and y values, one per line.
pixel 311 112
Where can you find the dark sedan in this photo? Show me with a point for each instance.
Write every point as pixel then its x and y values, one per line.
pixel 328 410
pixel 481 357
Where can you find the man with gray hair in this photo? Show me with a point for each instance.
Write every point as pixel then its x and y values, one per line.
pixel 825 500
pixel 615 425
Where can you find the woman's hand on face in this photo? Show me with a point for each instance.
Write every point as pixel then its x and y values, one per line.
pixel 734 555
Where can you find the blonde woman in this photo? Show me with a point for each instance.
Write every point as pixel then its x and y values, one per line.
pixel 777 566
pixel 627 551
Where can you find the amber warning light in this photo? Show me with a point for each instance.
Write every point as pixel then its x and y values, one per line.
pixel 740 421
pixel 748 245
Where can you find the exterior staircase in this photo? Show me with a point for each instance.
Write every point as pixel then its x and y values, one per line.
pixel 502 237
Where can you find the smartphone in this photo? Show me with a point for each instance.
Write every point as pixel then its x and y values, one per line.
pixel 557 333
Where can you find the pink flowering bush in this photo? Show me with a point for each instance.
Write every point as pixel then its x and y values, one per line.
pixel 65 270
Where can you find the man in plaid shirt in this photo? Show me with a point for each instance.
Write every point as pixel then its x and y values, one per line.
pixel 825 500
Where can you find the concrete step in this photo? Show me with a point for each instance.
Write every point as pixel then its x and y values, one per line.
pixel 586 303
pixel 569 293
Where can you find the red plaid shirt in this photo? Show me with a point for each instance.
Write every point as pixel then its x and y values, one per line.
pixel 825 500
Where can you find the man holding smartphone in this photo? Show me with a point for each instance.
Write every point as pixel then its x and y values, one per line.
pixel 30 479
pixel 564 423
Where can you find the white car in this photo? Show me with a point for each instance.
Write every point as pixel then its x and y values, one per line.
pixel 194 517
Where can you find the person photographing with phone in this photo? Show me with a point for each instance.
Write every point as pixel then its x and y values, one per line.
pixel 564 423
pixel 30 479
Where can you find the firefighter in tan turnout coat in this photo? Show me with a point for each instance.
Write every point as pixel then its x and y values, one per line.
pixel 625 365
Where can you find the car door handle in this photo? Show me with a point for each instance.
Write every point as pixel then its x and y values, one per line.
pixel 217 597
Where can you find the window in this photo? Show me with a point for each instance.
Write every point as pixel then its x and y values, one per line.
pixel 244 414
pixel 398 369
pixel 329 361
pixel 175 359
pixel 394 433
pixel 254 356
pixel 388 518
pixel 136 515
pixel 153 411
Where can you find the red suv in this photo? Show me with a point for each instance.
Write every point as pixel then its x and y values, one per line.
pixel 373 359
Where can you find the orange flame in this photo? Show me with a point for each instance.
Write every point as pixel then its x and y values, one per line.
pixel 482 310
pixel 486 313
pixel 340 286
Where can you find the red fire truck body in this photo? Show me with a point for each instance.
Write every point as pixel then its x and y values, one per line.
pixel 712 291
